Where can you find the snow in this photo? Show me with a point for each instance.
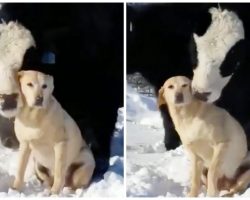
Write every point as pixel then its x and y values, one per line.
pixel 110 186
pixel 151 170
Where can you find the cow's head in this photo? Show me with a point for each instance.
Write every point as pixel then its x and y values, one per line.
pixel 14 41
pixel 221 38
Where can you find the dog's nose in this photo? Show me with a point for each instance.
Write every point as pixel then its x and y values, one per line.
pixel 179 98
pixel 202 96
pixel 39 101
pixel 9 101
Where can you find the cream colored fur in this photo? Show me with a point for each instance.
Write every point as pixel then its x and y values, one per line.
pixel 51 135
pixel 213 138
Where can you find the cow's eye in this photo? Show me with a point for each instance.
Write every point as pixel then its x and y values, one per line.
pixel 184 85
pixel 44 86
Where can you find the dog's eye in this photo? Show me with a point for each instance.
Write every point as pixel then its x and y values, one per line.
pixel 30 84
pixel 44 86
pixel 170 86
pixel 184 85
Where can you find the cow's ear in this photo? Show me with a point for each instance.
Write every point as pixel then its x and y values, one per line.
pixel 161 99
pixel 196 38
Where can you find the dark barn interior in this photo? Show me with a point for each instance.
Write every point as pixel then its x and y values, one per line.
pixel 160 36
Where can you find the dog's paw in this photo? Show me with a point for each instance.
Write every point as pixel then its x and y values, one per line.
pixel 17 185
pixel 54 195
pixel 54 191
pixel 212 193
pixel 13 192
pixel 228 194
pixel 45 193
pixel 192 194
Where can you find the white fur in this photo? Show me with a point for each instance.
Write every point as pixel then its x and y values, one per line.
pixel 9 84
pixel 8 113
pixel 225 31
pixel 15 39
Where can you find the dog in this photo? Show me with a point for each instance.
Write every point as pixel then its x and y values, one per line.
pixel 43 128
pixel 215 141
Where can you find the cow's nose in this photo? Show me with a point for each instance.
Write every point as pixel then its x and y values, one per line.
pixel 202 95
pixel 9 101
pixel 39 101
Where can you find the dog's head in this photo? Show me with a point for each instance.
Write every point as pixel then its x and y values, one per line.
pixel 176 91
pixel 36 88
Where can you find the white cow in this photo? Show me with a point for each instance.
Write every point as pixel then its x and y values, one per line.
pixel 223 33
pixel 15 39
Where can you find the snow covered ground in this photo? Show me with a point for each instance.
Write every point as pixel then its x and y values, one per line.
pixel 110 186
pixel 151 170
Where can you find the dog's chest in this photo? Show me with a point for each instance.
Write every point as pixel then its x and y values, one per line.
pixel 26 132
pixel 198 137
pixel 192 130
pixel 43 152
pixel 40 143
pixel 32 124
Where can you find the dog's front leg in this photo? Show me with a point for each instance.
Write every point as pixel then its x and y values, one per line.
pixel 24 153
pixel 196 171
pixel 214 170
pixel 59 168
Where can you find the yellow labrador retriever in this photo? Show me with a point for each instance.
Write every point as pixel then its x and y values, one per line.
pixel 43 128
pixel 216 142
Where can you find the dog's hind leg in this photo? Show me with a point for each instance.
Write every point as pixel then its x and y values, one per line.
pixel 43 174
pixel 82 170
pixel 82 176
pixel 241 184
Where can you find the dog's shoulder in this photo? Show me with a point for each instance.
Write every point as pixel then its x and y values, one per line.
pixel 63 116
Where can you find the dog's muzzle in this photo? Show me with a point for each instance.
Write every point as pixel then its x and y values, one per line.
pixel 179 98
pixel 9 101
pixel 39 101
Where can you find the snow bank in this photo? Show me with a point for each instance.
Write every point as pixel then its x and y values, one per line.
pixel 142 109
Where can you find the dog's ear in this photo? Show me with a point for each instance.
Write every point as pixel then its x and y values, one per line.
pixel 50 78
pixel 51 81
pixel 20 74
pixel 21 97
pixel 161 100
